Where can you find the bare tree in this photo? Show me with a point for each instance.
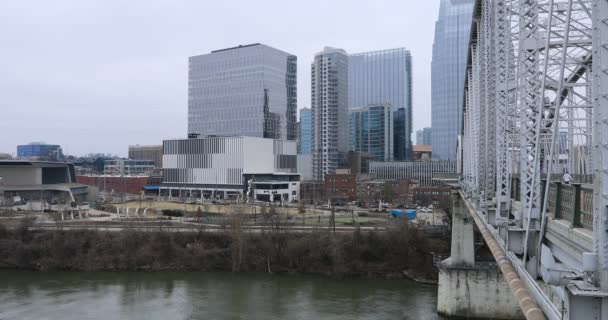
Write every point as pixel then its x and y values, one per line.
pixel 332 221
pixel 237 235
pixel 302 211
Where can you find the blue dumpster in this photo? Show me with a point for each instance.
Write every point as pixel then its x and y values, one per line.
pixel 397 213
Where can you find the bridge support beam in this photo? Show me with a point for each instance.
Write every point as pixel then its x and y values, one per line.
pixel 468 289
pixel 462 250
pixel 479 292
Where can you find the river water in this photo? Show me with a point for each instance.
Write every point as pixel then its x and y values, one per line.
pixel 168 295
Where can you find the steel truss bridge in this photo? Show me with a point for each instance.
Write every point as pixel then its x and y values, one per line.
pixel 535 108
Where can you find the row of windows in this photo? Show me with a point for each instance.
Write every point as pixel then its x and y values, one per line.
pixel 420 171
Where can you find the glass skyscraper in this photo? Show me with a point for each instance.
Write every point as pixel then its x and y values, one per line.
pixel 385 77
pixel 329 104
pixel 40 150
pixel 371 131
pixel 247 90
pixel 305 131
pixel 448 75
pixel 423 137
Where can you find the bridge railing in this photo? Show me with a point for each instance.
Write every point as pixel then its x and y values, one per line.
pixel 570 202
pixel 573 203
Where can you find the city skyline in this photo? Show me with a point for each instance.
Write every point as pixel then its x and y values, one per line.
pixel 130 86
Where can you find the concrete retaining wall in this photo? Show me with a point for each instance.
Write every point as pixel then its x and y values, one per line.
pixel 475 293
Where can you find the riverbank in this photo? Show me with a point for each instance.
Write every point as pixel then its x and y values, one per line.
pixel 385 254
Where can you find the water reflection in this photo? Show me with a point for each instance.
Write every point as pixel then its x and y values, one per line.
pixel 168 295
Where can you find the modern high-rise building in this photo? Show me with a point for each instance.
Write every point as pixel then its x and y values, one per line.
pixel 305 139
pixel 385 77
pixel 329 104
pixel 400 133
pixel 448 72
pixel 423 137
pixel 247 90
pixel 371 131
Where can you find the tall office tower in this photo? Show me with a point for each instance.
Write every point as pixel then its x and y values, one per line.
pixel 380 77
pixel 400 137
pixel 371 131
pixel 329 104
pixel 423 137
pixel 447 73
pixel 247 90
pixel 305 131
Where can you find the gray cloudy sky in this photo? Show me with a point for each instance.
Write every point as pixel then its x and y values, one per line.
pixel 98 75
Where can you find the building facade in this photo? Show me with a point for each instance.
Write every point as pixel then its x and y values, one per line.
pixel 231 167
pixel 399 129
pixel 371 131
pixel 420 171
pixel 329 104
pixel 447 75
pixel 248 90
pixel 423 137
pixel 305 166
pixel 40 150
pixel 115 184
pixel 305 140
pixel 128 167
pixel 40 185
pixel 341 187
pixel 422 152
pixel 149 152
pixel 385 77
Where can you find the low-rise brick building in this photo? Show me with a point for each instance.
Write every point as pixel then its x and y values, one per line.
pixel 117 184
pixel 341 186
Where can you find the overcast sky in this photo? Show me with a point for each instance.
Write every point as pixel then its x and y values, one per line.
pixel 98 75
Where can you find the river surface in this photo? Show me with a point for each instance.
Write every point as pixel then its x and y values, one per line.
pixel 168 295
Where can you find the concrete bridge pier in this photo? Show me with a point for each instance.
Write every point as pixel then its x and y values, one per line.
pixel 468 289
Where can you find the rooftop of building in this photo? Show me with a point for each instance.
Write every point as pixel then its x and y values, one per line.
pixel 382 51
pixel 328 49
pixel 423 148
pixel 146 146
pixel 240 46
pixel 223 137
pixel 33 163
pixel 38 143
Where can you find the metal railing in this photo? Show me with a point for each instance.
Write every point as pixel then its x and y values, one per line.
pixel 570 202
pixel 573 203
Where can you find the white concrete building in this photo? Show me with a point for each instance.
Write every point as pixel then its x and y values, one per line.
pixel 329 105
pixel 305 167
pixel 231 167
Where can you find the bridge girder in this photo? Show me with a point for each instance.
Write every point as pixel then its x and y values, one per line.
pixel 536 104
